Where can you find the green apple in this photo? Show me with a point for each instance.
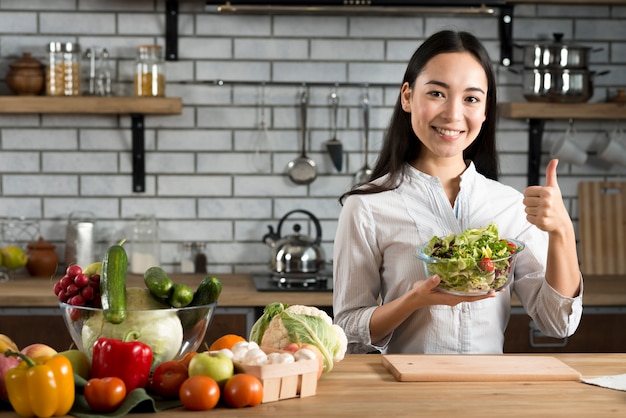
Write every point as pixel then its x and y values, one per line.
pixel 80 362
pixel 217 366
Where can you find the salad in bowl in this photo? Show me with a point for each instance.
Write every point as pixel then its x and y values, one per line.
pixel 473 262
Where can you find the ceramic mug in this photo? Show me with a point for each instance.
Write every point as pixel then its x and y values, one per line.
pixel 567 150
pixel 612 149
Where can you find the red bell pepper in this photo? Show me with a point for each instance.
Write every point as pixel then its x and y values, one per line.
pixel 128 359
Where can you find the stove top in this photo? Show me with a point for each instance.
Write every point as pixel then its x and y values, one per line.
pixel 293 282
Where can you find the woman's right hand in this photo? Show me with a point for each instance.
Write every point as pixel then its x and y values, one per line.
pixel 426 291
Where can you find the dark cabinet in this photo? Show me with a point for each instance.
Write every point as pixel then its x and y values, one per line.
pixel 600 331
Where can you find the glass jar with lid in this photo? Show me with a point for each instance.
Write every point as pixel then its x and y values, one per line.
pixel 150 71
pixel 63 69
pixel 145 246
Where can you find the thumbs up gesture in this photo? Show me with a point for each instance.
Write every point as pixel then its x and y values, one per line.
pixel 544 204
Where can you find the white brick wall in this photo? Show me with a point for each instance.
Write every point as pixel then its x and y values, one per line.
pixel 201 182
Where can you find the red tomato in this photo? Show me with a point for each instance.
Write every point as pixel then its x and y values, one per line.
pixel 106 394
pixel 512 247
pixel 167 379
pixel 243 390
pixel 199 393
pixel 486 265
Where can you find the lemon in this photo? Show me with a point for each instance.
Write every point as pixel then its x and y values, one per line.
pixel 13 257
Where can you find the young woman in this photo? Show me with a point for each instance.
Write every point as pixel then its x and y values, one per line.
pixel 436 175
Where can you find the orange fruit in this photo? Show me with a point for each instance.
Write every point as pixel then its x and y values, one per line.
pixel 226 341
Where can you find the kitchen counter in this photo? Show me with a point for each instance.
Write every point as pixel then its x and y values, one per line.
pixel 239 291
pixel 360 386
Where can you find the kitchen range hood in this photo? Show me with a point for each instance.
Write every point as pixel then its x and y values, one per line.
pixel 353 7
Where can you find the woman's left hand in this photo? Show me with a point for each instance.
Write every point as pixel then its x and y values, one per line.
pixel 544 204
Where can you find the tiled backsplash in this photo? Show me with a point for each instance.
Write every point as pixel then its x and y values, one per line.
pixel 211 174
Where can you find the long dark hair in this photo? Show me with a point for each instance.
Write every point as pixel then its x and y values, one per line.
pixel 401 145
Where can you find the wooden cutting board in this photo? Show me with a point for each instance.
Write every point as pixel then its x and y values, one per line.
pixel 476 368
pixel 602 227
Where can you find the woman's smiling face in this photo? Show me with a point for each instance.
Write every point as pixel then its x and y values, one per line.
pixel 447 104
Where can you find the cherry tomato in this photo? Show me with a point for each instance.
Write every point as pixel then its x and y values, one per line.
pixel 512 247
pixel 243 390
pixel 106 394
pixel 486 265
pixel 199 393
pixel 167 378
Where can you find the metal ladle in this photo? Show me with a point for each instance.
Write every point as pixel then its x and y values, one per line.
pixel 302 170
pixel 364 174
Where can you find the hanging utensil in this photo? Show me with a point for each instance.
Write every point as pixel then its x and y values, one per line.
pixel 262 148
pixel 334 146
pixel 364 174
pixel 302 170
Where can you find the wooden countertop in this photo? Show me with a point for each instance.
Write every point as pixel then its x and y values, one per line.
pixel 360 386
pixel 239 291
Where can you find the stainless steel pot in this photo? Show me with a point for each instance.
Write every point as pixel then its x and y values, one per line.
pixel 556 54
pixel 296 253
pixel 556 85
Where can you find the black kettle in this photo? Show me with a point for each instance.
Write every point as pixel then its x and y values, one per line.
pixel 296 253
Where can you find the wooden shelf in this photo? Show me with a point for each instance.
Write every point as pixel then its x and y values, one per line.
pixel 136 107
pixel 541 110
pixel 538 112
pixel 91 105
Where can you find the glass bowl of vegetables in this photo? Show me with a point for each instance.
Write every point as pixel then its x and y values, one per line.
pixel 170 332
pixel 473 263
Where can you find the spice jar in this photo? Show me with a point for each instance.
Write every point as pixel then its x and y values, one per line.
pixel 149 71
pixel 63 69
pixel 26 76
pixel 42 259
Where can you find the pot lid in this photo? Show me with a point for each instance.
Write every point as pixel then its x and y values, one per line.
pixel 559 43
pixel 40 244
pixel 27 61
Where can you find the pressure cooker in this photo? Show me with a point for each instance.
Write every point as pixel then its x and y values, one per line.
pixel 296 253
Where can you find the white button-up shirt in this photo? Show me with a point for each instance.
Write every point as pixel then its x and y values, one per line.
pixel 374 262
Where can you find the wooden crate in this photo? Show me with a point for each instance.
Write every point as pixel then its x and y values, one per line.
pixel 285 381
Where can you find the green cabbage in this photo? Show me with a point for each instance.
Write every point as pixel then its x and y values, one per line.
pixel 158 326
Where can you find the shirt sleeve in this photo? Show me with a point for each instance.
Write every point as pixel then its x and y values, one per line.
pixel 555 315
pixel 356 279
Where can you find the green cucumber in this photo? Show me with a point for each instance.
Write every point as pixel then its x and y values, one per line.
pixel 181 296
pixel 208 291
pixel 158 282
pixel 113 283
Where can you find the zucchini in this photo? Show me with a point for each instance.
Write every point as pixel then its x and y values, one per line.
pixel 113 283
pixel 158 282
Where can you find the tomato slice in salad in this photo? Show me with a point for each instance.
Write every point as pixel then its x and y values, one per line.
pixel 486 265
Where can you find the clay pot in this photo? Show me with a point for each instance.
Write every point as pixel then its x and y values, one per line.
pixel 42 259
pixel 26 76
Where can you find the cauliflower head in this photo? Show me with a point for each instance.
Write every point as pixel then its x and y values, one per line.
pixel 281 325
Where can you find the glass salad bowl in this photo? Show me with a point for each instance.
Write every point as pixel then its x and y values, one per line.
pixel 170 332
pixel 471 276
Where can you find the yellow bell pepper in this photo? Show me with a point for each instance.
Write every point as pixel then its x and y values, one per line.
pixel 41 387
